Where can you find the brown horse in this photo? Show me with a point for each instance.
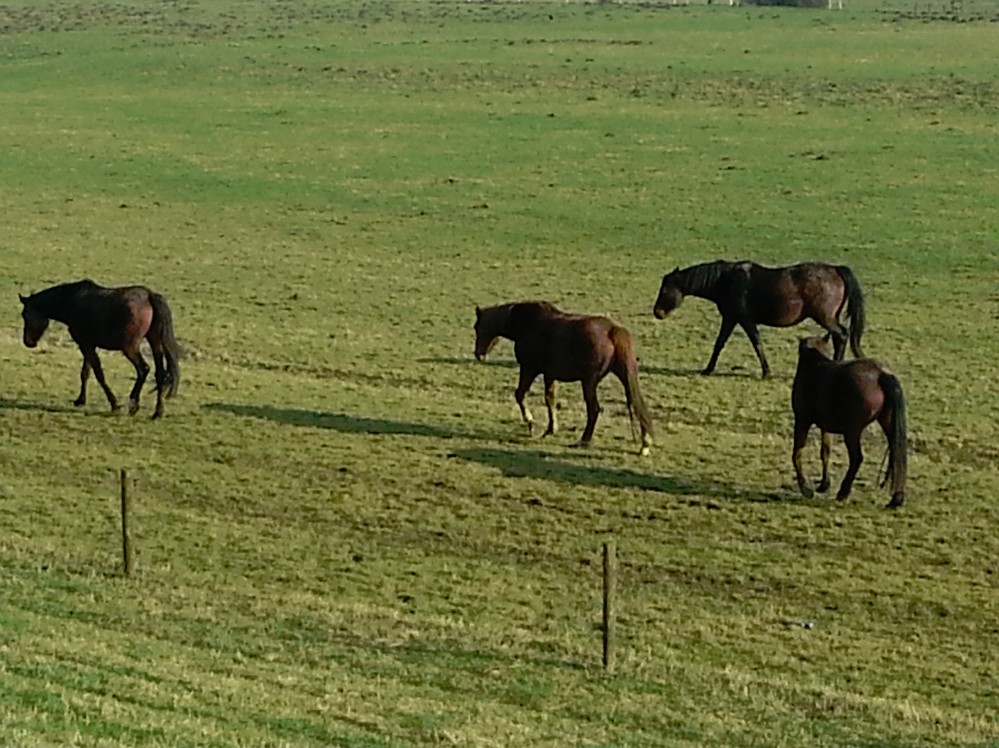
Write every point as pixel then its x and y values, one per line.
pixel 115 319
pixel 565 348
pixel 748 295
pixel 843 397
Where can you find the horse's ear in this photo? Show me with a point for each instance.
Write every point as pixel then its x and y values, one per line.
pixel 24 299
pixel 478 313
pixel 676 269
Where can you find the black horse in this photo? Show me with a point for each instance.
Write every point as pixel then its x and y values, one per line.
pixel 565 348
pixel 748 295
pixel 115 319
pixel 843 397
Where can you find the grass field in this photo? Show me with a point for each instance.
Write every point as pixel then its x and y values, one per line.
pixel 344 534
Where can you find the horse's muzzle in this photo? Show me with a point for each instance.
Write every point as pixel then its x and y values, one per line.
pixel 659 312
pixel 30 342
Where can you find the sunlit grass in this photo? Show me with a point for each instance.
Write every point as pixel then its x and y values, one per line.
pixel 344 535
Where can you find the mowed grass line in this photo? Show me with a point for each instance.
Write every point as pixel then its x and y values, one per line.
pixel 345 536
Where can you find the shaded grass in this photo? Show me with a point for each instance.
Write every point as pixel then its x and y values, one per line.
pixel 345 537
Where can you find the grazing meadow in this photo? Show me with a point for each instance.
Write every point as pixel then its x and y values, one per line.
pixel 344 534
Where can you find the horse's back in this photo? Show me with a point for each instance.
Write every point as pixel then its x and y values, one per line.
pixel 840 396
pixel 112 318
pixel 566 347
pixel 784 296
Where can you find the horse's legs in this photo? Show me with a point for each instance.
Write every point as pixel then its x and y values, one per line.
pixel 160 369
pixel 90 356
pixel 592 411
pixel 840 335
pixel 526 379
pixel 824 451
pixel 141 372
pixel 800 437
pixel 856 458
pixel 550 402
pixel 84 375
pixel 727 325
pixel 754 337
pixel 621 372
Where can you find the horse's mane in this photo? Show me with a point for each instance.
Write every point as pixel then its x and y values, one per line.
pixel 701 277
pixel 527 312
pixel 537 307
pixel 60 292
pixel 68 288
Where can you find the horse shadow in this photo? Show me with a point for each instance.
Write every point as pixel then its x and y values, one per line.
pixel 468 361
pixel 32 406
pixel 537 464
pixel 736 372
pixel 342 422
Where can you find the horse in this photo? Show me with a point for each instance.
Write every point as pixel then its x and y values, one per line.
pixel 748 294
pixel 843 397
pixel 565 348
pixel 115 319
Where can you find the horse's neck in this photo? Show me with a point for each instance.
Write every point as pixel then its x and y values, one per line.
pixel 700 281
pixel 525 316
pixel 812 365
pixel 499 322
pixel 57 303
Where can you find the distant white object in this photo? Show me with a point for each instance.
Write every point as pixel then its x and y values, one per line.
pixel 838 4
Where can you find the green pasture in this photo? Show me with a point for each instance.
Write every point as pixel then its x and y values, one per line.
pixel 344 534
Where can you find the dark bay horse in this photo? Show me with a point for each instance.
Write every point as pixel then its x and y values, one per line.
pixel 748 295
pixel 565 348
pixel 115 319
pixel 843 397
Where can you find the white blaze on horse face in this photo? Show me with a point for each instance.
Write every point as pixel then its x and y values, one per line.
pixel 482 348
pixel 34 328
pixel 666 302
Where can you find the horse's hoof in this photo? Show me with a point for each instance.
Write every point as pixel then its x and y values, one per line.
pixel 133 407
pixel 580 444
pixel 80 401
pixel 644 452
pixel 706 372
pixel 842 496
pixel 806 491
pixel 822 487
pixel 157 414
pixel 896 502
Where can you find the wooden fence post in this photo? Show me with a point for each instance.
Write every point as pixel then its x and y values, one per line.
pixel 126 531
pixel 610 592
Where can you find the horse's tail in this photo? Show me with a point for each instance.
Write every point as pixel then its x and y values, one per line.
pixel 897 468
pixel 854 308
pixel 626 368
pixel 162 327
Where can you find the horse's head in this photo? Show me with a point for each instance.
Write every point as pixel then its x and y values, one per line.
pixel 813 346
pixel 486 331
pixel 669 297
pixel 35 323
